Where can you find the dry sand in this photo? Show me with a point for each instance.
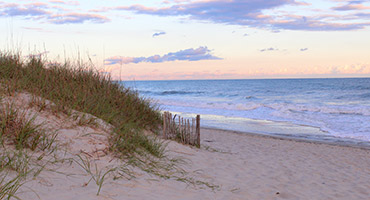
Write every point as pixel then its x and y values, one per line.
pixel 240 166
pixel 243 166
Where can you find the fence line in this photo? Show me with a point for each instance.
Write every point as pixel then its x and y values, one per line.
pixel 180 129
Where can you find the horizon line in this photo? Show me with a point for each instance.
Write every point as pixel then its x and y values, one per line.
pixel 220 79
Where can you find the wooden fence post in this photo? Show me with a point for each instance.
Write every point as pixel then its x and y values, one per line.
pixel 170 125
pixel 164 124
pixel 198 130
pixel 187 131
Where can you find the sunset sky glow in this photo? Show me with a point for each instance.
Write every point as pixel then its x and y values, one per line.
pixel 195 39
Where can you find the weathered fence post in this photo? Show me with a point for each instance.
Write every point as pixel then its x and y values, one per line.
pixel 170 126
pixel 164 124
pixel 198 130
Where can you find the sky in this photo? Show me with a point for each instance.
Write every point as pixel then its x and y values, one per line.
pixel 194 39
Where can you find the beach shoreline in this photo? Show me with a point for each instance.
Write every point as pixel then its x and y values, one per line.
pixel 335 141
pixel 318 108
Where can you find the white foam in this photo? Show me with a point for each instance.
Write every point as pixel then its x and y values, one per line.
pixel 340 121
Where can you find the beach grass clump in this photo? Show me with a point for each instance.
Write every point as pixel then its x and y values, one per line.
pixel 19 130
pixel 98 176
pixel 128 139
pixel 16 161
pixel 9 188
pixel 82 88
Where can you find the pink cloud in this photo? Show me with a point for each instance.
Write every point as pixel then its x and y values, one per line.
pixel 311 24
pixel 36 29
pixel 120 60
pixel 200 53
pixel 37 4
pixel 41 11
pixel 75 3
pixel 73 18
pixel 351 7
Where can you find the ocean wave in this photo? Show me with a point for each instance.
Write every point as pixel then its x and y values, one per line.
pixel 365 95
pixel 222 94
pixel 250 97
pixel 340 110
pixel 169 92
pixel 177 92
pixel 276 107
pixel 212 105
pixel 362 87
pixel 145 92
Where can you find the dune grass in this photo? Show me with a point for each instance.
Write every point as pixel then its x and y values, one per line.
pixel 80 87
pixel 97 175
pixel 19 130
pixel 9 188
pixel 69 87
pixel 16 161
pixel 18 133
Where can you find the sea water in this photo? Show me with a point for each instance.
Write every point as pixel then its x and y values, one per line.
pixel 311 108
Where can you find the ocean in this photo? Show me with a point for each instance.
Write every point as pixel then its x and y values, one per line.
pixel 318 109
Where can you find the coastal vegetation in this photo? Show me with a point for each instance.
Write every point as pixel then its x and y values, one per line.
pixel 82 88
pixel 44 106
pixel 70 87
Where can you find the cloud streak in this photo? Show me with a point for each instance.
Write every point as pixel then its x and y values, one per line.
pixel 352 5
pixel 200 53
pixel 252 14
pixel 77 18
pixel 74 3
pixel 44 12
pixel 263 14
pixel 158 34
pixel 27 10
pixel 229 12
pixel 269 49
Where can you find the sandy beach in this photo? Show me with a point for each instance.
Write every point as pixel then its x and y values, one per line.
pixel 239 166
pixel 229 165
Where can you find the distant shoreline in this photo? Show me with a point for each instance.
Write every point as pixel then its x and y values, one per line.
pixel 226 79
pixel 342 142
